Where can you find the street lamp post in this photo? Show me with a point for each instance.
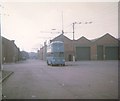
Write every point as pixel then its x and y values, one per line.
pixel 1 26
pixel 0 38
pixel 0 46
pixel 73 24
pixel 0 53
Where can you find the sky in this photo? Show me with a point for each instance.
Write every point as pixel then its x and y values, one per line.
pixel 30 23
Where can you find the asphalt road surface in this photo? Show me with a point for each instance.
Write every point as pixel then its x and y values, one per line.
pixel 33 79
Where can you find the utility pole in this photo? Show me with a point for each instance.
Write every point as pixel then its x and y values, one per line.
pixel 73 30
pixel 73 41
pixel 73 25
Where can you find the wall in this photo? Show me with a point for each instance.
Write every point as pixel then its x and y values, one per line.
pixel 10 52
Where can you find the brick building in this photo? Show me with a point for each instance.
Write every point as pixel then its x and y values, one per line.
pixel 10 52
pixel 42 52
pixel 103 48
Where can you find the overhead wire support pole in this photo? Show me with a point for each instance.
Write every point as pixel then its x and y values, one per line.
pixel 62 24
pixel 73 30
pixel 73 24
pixel 73 41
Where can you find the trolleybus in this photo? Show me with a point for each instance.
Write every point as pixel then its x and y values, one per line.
pixel 55 53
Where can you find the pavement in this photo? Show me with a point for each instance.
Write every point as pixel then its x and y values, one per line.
pixel 5 75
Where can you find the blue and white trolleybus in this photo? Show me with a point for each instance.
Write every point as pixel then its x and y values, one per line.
pixel 55 53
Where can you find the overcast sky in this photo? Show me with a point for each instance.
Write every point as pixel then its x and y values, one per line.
pixel 28 22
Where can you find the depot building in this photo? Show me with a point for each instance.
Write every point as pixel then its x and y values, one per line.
pixel 103 48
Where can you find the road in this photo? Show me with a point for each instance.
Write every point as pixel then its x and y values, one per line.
pixel 33 79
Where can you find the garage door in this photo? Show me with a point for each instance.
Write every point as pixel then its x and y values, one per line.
pixel 83 53
pixel 111 53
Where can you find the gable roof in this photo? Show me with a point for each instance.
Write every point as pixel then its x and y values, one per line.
pixel 107 35
pixel 8 41
pixel 83 38
pixel 93 40
pixel 3 39
pixel 105 40
pixel 60 37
